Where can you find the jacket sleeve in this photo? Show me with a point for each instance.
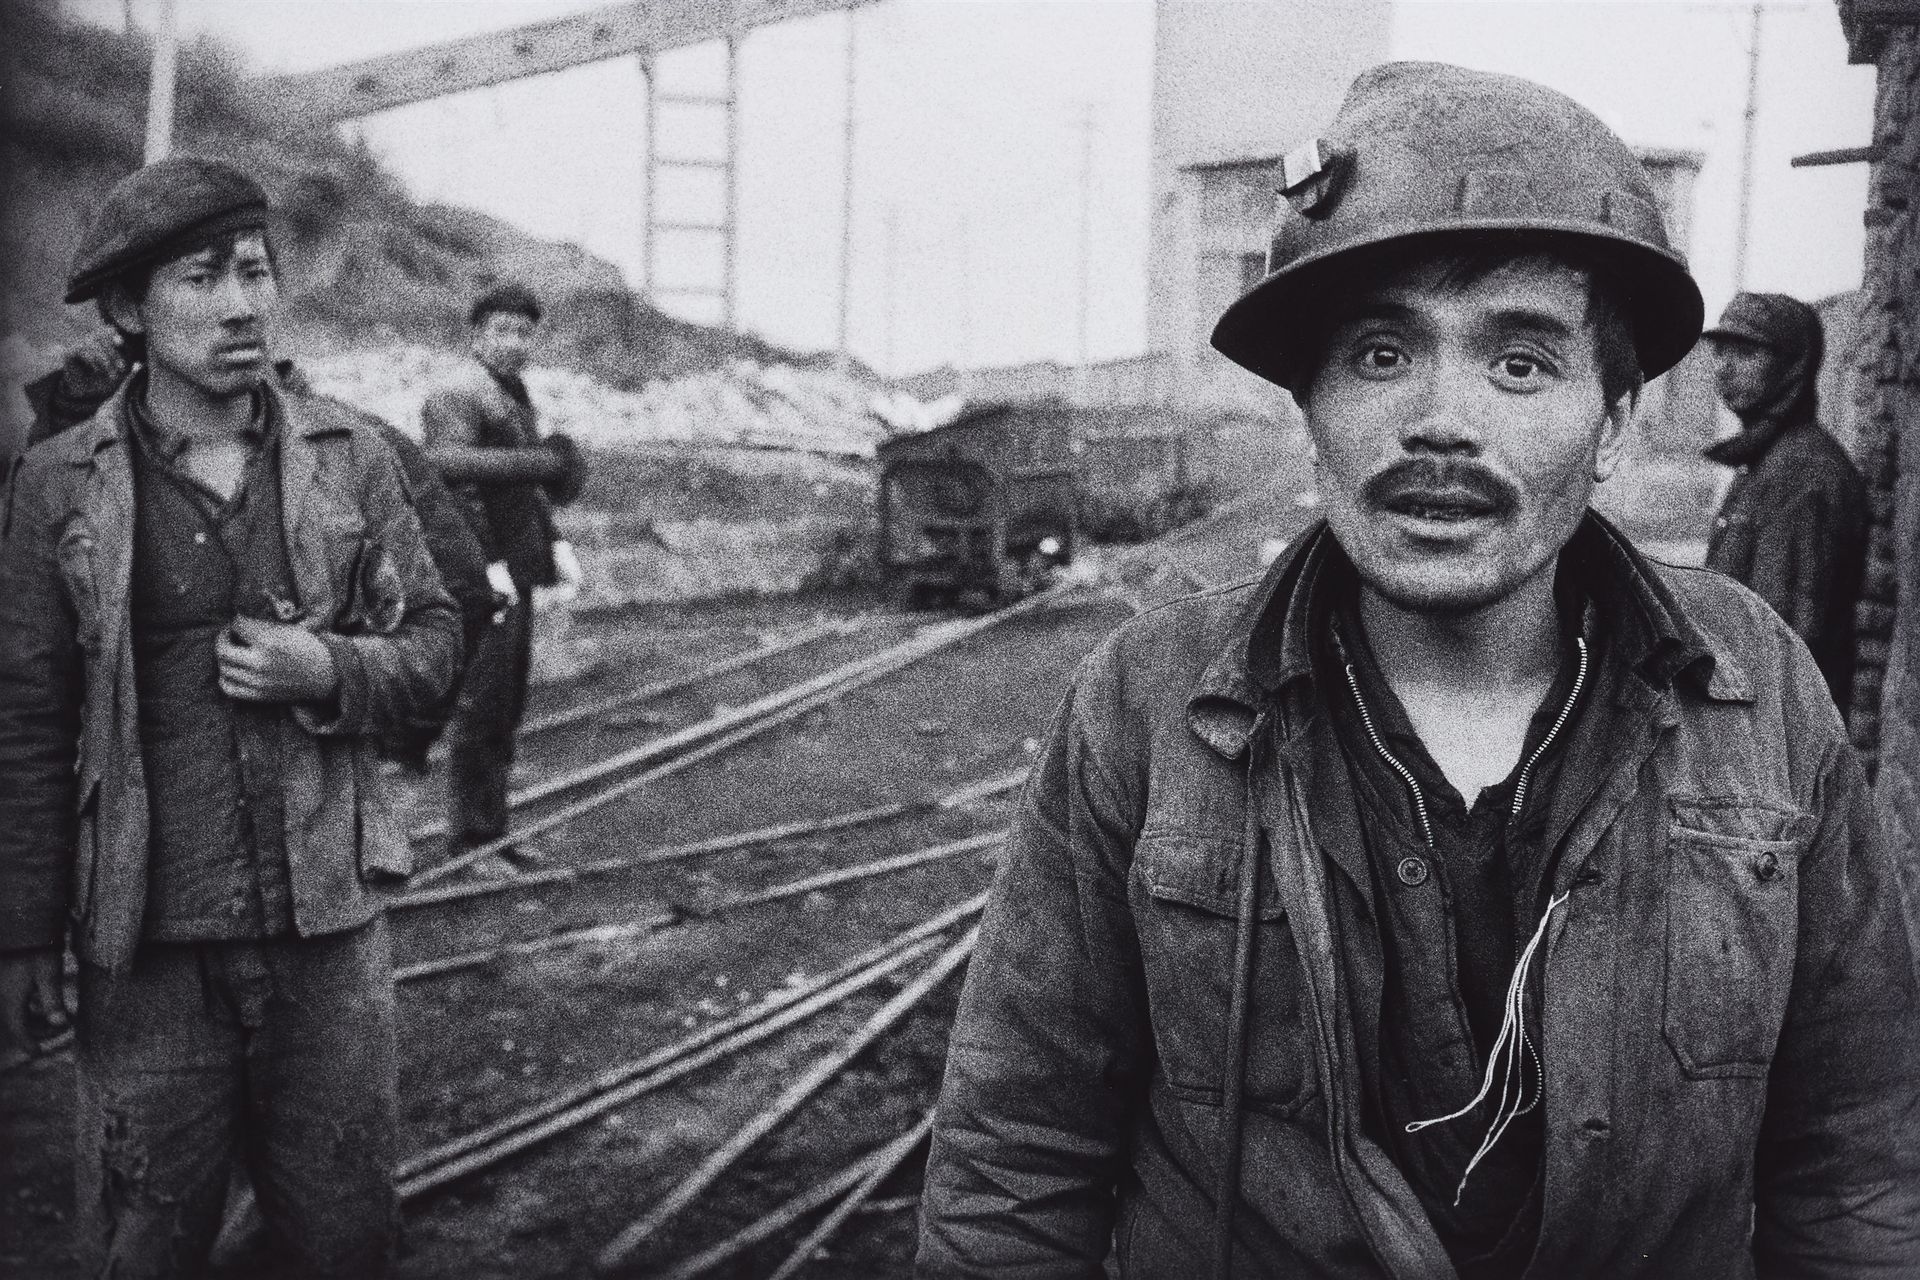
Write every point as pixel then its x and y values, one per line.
pixel 450 539
pixel 1050 1054
pixel 40 700
pixel 1797 565
pixel 1837 1172
pixel 392 675
pixel 452 416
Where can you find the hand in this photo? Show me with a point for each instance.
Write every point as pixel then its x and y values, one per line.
pixel 29 993
pixel 566 567
pixel 502 583
pixel 274 662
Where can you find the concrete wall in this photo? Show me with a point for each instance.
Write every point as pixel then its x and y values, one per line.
pixel 1233 81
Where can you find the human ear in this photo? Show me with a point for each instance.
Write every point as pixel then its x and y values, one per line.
pixel 1615 431
pixel 121 310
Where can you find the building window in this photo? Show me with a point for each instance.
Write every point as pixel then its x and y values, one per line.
pixel 1253 269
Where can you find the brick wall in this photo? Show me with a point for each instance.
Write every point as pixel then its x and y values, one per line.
pixel 1887 692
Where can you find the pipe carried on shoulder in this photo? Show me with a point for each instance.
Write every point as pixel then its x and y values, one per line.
pixel 555 464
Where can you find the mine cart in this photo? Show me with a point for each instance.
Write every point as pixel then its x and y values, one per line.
pixel 983 506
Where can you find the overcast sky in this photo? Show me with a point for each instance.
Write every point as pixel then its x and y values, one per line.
pixel 967 118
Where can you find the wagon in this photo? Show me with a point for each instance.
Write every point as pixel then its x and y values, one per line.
pixel 986 505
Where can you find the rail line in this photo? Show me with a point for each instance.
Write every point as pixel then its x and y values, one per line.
pixel 661 756
pixel 568 1109
pixel 623 1246
pixel 760 897
pixel 653 690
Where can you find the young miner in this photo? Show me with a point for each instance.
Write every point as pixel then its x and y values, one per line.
pixel 1471 896
pixel 1793 525
pixel 213 598
pixel 488 407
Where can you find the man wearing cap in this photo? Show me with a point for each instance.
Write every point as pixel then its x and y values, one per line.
pixel 488 407
pixel 213 598
pixel 1471 896
pixel 1793 525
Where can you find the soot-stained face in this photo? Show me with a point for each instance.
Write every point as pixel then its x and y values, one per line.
pixel 206 315
pixel 1459 427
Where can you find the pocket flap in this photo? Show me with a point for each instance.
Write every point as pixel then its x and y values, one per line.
pixel 1200 871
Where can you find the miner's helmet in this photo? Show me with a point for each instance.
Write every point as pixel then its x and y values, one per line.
pixel 1423 151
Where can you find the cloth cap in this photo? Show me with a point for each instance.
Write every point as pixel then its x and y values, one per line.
pixel 1426 152
pixel 1773 320
pixel 514 299
pixel 160 210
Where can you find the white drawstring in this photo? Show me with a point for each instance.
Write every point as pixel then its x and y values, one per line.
pixel 1511 1051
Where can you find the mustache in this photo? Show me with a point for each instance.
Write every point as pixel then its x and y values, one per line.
pixel 1441 480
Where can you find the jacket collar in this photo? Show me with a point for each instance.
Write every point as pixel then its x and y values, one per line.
pixel 108 426
pixel 1266 659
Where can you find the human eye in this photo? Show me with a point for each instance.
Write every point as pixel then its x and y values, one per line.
pixel 1377 357
pixel 1522 369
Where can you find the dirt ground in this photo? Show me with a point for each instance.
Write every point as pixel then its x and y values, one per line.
pixel 482 1043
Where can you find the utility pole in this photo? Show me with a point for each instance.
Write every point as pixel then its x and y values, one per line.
pixel 893 278
pixel 963 361
pixel 1749 127
pixel 846 185
pixel 1085 255
pixel 166 48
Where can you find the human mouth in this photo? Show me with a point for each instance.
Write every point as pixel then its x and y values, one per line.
pixel 1440 506
pixel 239 353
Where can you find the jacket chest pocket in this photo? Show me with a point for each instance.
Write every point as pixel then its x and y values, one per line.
pixel 1185 901
pixel 1733 897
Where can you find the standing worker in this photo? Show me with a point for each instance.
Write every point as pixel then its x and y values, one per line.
pixel 488 408
pixel 1793 526
pixel 1471 896
pixel 213 598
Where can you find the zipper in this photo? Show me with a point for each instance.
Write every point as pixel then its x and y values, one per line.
pixel 1559 723
pixel 1393 762
pixel 1526 770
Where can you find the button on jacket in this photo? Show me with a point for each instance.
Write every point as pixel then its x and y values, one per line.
pixel 1729 1026
pixel 216 836
pixel 74 810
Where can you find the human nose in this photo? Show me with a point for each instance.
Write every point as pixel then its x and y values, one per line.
pixel 239 299
pixel 1443 419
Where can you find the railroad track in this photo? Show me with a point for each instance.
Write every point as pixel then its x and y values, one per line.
pixel 925 956
pixel 512 1135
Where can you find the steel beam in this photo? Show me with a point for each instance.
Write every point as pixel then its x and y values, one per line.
pixel 317 98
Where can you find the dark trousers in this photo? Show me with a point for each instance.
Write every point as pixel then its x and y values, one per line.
pixel 493 695
pixel 281 1052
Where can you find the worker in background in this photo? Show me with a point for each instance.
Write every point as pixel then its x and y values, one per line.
pixel 488 407
pixel 1793 525
pixel 213 599
pixel 1472 896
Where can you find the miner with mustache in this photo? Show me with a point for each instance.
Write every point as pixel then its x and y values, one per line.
pixel 1471 896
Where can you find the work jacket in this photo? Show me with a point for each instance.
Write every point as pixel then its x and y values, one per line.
pixel 1793 527
pixel 1728 1023
pixel 514 522
pixel 74 805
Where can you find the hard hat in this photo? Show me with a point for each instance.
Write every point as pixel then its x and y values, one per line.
pixel 1423 149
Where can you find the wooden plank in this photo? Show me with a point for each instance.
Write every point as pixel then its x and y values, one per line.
pixel 328 96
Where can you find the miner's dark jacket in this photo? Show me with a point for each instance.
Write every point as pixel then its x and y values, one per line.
pixel 1727 1005
pixel 513 522
pixel 1793 527
pixel 75 812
